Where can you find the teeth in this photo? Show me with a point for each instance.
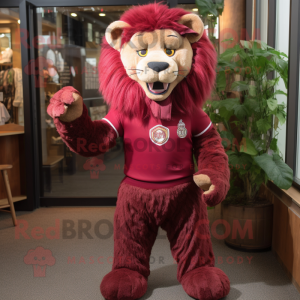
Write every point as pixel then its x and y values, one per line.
pixel 157 91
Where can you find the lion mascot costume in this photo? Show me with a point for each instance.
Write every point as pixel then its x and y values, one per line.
pixel 156 69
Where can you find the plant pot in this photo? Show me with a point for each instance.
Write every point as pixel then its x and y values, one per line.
pixel 248 227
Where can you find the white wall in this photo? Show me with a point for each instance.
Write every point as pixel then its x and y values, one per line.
pixel 264 20
pixel 282 44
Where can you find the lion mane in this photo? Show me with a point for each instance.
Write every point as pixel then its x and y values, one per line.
pixel 126 95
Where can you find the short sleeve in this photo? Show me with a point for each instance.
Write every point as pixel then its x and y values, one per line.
pixel 201 123
pixel 114 120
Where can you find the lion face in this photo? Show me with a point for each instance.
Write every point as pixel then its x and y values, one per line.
pixel 157 60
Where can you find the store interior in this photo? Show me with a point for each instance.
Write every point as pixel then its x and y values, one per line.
pixel 11 105
pixel 70 46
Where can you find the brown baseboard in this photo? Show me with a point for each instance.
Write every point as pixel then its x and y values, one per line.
pixel 294 282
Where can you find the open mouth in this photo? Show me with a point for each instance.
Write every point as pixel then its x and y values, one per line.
pixel 157 87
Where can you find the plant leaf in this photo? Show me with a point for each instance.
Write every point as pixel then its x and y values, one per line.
pixel 227 138
pixel 259 144
pixel 229 53
pixel 227 40
pixel 272 103
pixel 279 172
pixel 273 144
pixel 251 104
pixel 215 118
pixel 263 125
pixel 240 86
pixel 281 117
pixel 279 92
pixel 245 44
pixel 241 161
pixel 225 114
pixel 229 103
pixel 206 7
pixel 252 90
pixel 241 111
pixel 221 81
pixel 248 147
pixel 273 82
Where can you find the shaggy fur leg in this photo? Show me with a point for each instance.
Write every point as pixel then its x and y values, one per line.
pixel 188 232
pixel 134 236
pixel 123 284
pixel 181 212
pixel 206 283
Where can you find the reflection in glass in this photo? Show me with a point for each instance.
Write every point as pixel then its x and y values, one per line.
pixel 11 85
pixel 69 41
pixel 12 152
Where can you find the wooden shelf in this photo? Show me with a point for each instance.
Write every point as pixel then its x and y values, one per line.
pixel 5 133
pixel 11 129
pixel 4 202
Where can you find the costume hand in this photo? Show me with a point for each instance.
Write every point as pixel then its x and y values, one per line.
pixel 203 181
pixel 210 192
pixel 66 104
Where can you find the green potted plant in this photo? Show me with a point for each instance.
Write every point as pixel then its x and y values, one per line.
pixel 249 115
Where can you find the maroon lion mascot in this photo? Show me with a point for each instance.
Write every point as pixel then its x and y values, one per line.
pixel 157 67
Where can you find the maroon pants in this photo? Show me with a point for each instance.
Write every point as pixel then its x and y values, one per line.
pixel 178 210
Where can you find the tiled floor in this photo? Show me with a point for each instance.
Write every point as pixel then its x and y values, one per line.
pixel 81 263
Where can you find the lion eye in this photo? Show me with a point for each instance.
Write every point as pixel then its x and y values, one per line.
pixel 142 53
pixel 169 52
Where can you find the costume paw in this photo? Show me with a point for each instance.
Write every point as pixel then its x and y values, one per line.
pixel 65 104
pixel 203 181
pixel 123 284
pixel 213 193
pixel 206 283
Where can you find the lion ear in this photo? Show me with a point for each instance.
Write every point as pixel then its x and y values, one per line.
pixel 194 23
pixel 113 33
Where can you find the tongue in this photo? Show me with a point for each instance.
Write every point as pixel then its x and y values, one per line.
pixel 157 87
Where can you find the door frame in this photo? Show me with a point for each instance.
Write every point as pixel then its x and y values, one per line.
pixel 31 109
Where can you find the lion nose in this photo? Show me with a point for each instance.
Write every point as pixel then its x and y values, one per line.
pixel 158 66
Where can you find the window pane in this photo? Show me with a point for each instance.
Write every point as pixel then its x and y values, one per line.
pixel 69 48
pixel 11 85
pixel 262 20
pixel 282 44
pixel 11 105
pixel 297 173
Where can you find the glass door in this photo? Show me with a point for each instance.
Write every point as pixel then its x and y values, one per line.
pixel 68 44
pixel 12 130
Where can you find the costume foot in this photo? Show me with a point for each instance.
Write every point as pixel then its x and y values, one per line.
pixel 123 284
pixel 206 283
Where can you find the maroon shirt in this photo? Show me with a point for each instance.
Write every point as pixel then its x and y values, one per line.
pixel 159 153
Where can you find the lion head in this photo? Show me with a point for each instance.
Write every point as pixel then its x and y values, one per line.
pixel 154 53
